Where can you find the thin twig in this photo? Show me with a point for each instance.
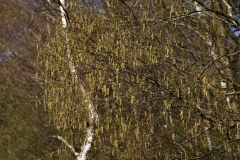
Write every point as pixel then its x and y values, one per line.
pixel 211 63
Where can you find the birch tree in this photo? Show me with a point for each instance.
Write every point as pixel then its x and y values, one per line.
pixel 71 108
pixel 154 72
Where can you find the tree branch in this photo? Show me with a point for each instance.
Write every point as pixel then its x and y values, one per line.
pixel 216 148
pixel 211 63
pixel 66 143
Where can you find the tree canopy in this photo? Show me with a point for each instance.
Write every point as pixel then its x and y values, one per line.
pixel 146 79
pixel 162 75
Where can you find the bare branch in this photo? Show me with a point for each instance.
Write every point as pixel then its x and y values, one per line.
pixel 216 148
pixel 65 142
pixel 211 63
pixel 232 93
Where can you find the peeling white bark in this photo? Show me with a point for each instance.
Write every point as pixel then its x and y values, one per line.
pixel 63 14
pixel 229 8
pixel 208 139
pixel 223 84
pixel 197 6
pixel 93 116
pixel 86 145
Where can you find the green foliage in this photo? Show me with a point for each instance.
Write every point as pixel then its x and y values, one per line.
pixel 144 67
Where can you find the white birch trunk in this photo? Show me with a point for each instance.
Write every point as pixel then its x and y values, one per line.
pixel 93 116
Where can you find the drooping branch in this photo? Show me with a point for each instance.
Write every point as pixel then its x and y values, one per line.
pixel 84 149
pixel 65 142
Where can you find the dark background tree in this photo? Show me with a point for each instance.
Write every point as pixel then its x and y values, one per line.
pixel 23 131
